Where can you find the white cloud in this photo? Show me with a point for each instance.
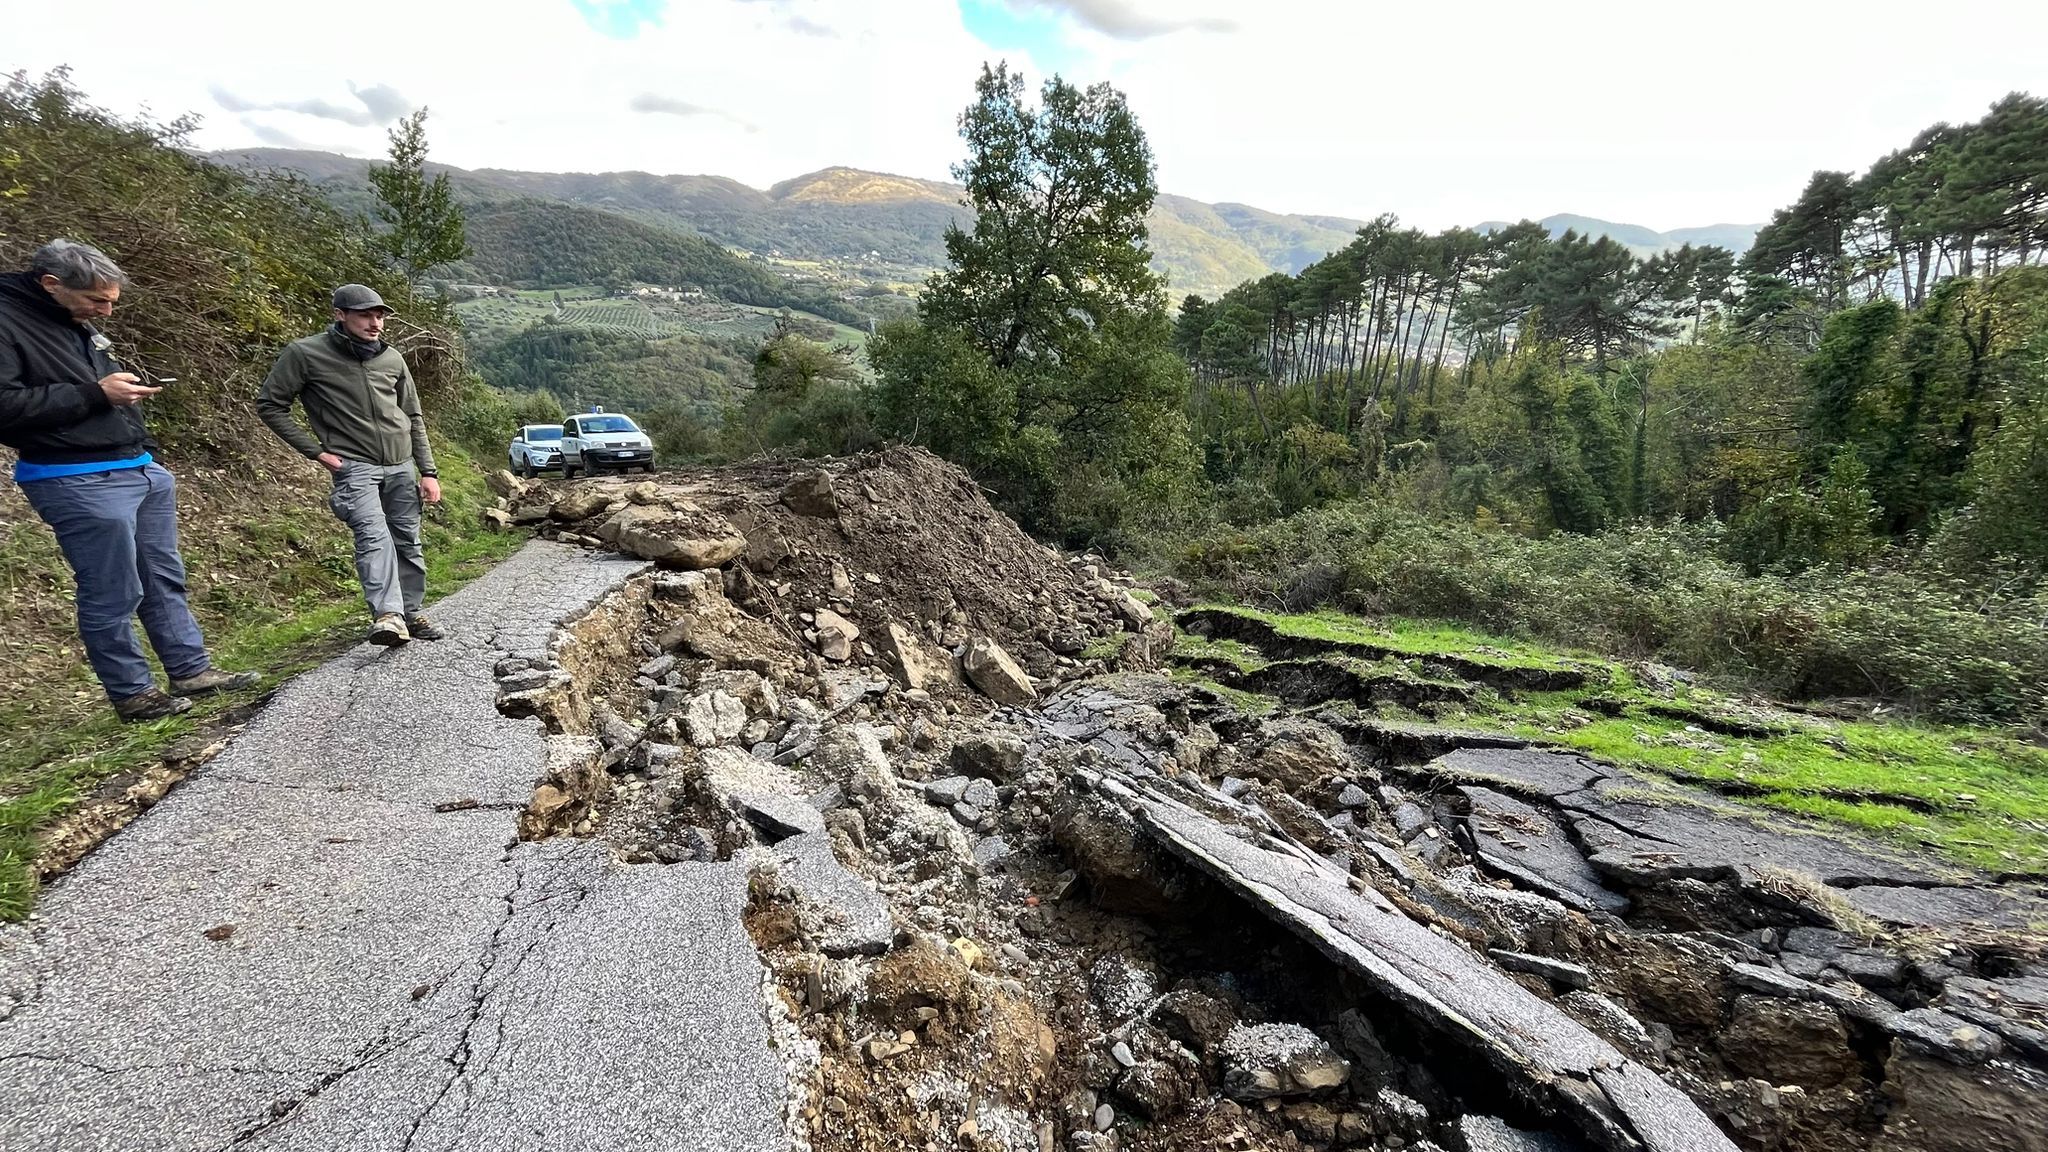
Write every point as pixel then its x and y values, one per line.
pixel 1450 112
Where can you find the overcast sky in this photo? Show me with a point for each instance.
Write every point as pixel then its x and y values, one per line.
pixel 1443 112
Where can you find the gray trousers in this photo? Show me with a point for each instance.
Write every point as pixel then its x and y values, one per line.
pixel 380 503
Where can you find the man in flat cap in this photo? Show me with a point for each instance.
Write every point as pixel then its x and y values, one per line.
pixel 368 433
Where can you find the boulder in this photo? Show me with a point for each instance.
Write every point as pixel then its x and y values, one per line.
pixel 812 494
pixel 504 484
pixel 713 718
pixel 1790 1041
pixel 497 520
pixel 995 755
pixel 580 503
pixel 915 666
pixel 686 537
pixel 991 669
pixel 836 634
pixel 1264 1060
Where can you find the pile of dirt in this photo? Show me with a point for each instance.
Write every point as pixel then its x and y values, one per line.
pixel 896 537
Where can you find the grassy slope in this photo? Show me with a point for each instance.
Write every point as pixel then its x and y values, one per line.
pixel 1977 795
pixel 274 588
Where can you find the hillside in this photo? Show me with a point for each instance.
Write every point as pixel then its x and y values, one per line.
pixel 849 214
pixel 1644 241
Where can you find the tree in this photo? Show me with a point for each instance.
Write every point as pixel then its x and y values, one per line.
pixel 423 225
pixel 1059 195
pixel 1043 356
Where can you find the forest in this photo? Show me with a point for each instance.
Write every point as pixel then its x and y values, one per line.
pixel 1815 467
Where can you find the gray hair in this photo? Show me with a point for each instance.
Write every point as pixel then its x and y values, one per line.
pixel 76 266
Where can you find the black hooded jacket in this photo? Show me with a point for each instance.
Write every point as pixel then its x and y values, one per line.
pixel 52 410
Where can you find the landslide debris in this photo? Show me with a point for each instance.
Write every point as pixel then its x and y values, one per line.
pixel 1052 900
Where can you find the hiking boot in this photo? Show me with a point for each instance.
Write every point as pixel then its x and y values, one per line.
pixel 389 630
pixel 422 628
pixel 214 680
pixel 153 704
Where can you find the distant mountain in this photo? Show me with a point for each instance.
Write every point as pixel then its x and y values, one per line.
pixel 850 214
pixel 1645 241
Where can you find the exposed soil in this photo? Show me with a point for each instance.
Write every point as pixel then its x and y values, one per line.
pixel 1040 924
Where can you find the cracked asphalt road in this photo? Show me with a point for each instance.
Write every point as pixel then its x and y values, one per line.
pixel 395 978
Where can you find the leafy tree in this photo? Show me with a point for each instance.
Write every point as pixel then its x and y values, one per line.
pixel 1042 358
pixel 1059 195
pixel 423 225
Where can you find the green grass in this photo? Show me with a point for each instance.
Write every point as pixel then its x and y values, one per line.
pixel 1405 636
pixel 1976 795
pixel 1191 647
pixel 1250 703
pixel 276 604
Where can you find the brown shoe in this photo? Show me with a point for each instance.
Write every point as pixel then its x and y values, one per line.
pixel 153 704
pixel 389 630
pixel 421 628
pixel 214 680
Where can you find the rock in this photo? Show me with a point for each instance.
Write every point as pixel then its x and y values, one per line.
pixel 1316 1122
pixel 916 667
pixel 991 851
pixel 752 689
pixel 812 494
pixel 766 548
pixel 1410 820
pixel 1135 613
pixel 686 537
pixel 1491 1134
pixel 1789 1041
pixel 980 794
pixel 2016 1009
pixel 777 815
pixel 1941 1035
pixel 1610 1020
pixel 497 520
pixel 1935 1107
pixel 1121 1053
pixel 947 790
pixel 658 667
pixel 1263 1060
pixel 967 814
pixel 1559 972
pixel 1196 1019
pixel 1156 1090
pixel 713 718
pixel 996 755
pixel 836 635
pixel 1361 1042
pixel 991 669
pixel 580 503
pixel 504 484
pixel 1353 797
pixel 1104 1117
pixel 1299 754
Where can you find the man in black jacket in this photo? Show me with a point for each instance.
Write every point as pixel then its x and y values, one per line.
pixel 85 466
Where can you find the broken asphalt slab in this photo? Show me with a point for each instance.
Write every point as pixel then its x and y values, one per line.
pixel 296 950
pixel 1614 1101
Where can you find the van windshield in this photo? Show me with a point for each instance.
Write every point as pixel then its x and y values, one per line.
pixel 544 432
pixel 606 424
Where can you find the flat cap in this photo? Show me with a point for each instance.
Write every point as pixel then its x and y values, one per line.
pixel 358 298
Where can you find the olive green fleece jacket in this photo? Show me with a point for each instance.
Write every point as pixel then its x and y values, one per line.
pixel 362 410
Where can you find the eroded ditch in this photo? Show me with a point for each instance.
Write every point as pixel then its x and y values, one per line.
pixel 1114 912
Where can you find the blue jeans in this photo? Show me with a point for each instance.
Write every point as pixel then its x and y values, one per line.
pixel 119 531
